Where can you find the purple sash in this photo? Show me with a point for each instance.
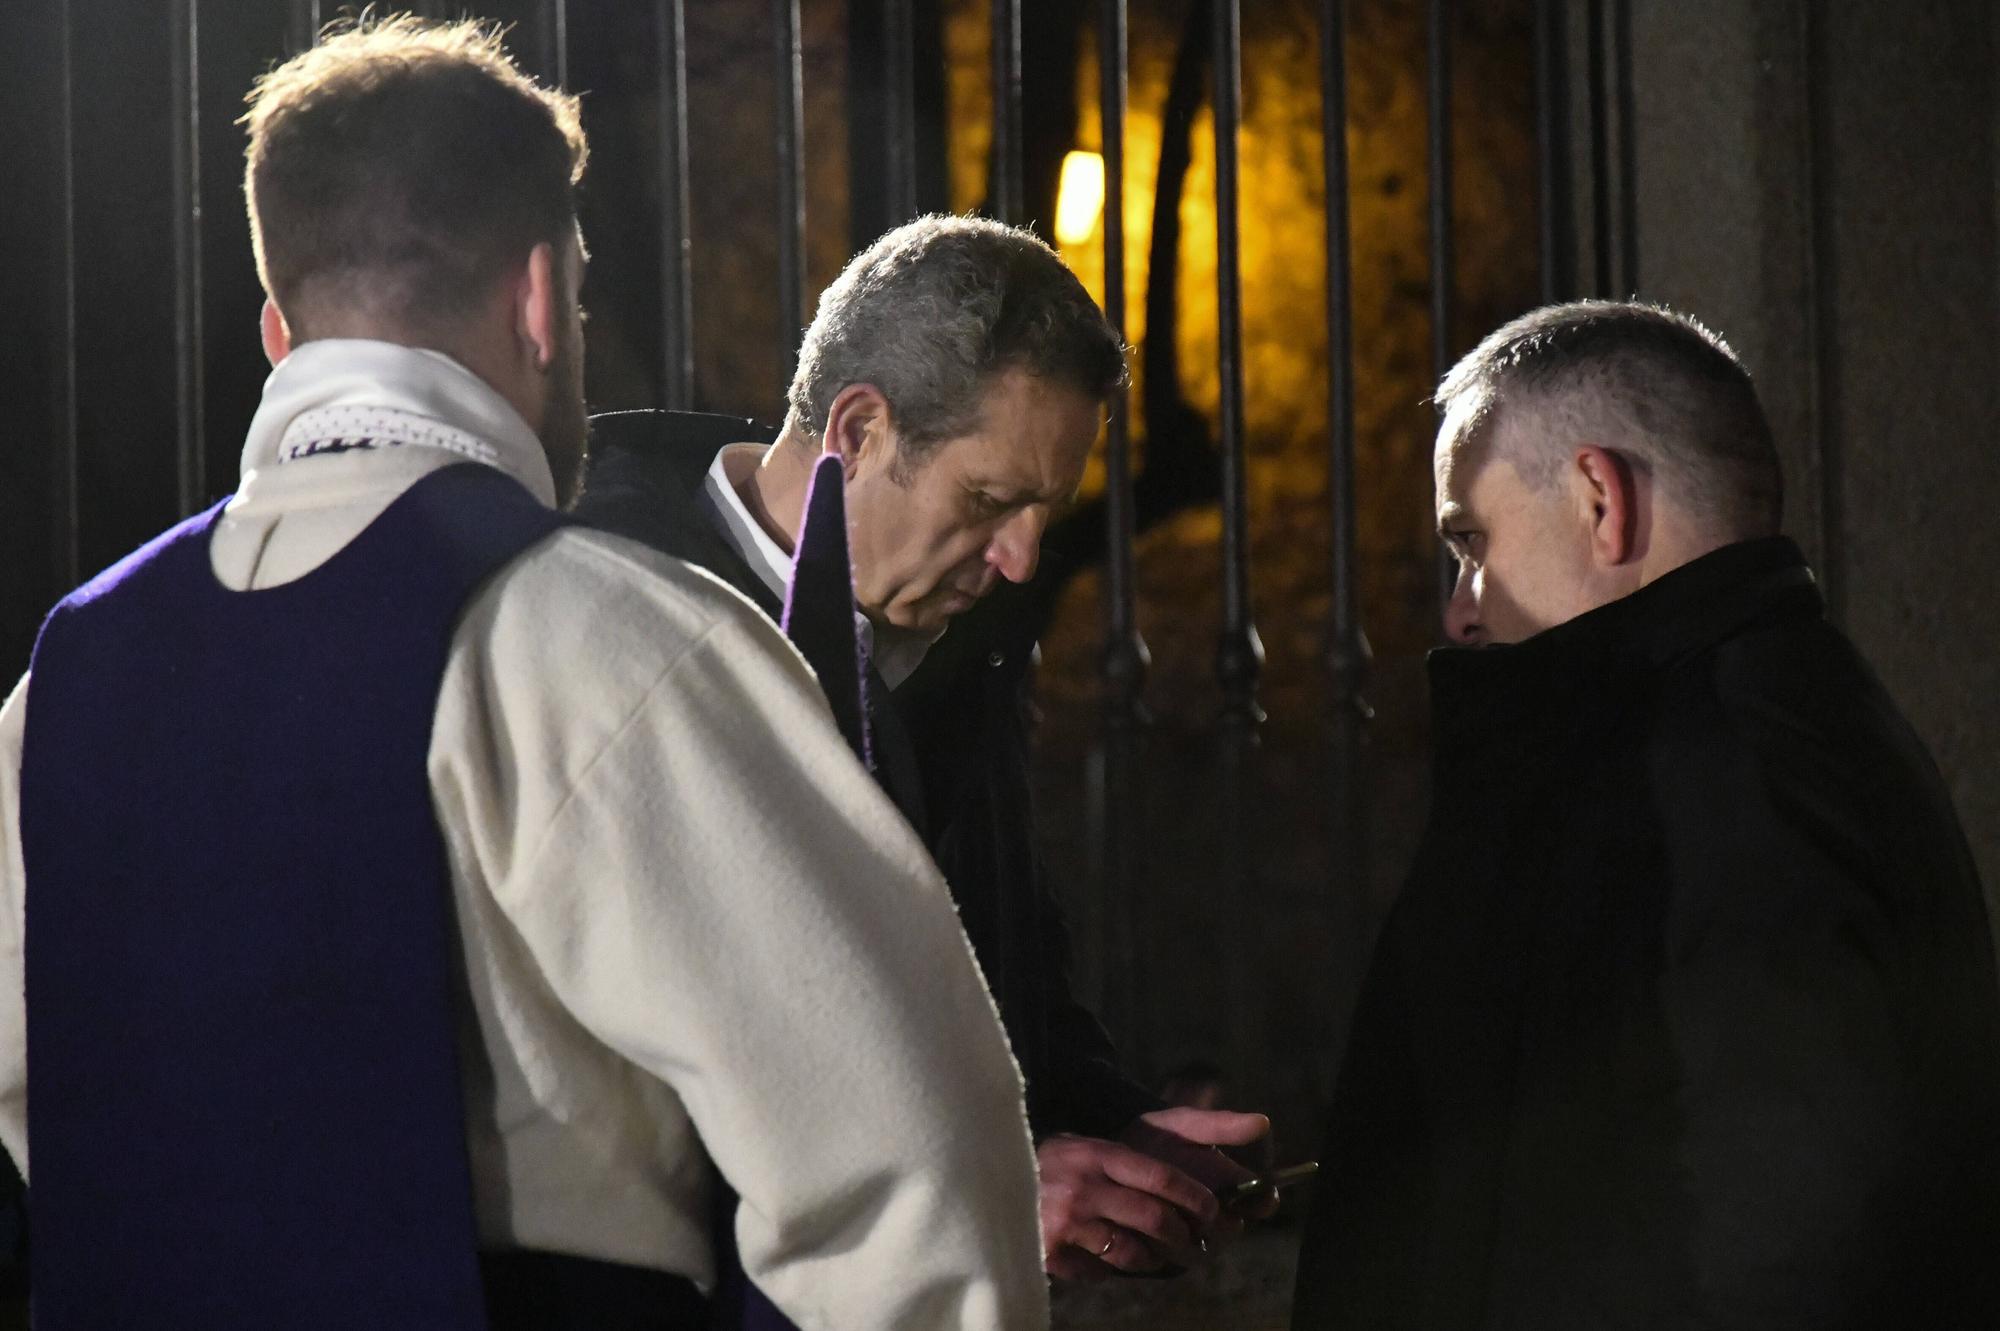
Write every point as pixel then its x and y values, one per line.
pixel 246 1107
pixel 819 619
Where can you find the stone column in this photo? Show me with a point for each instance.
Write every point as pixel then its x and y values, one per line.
pixel 1819 180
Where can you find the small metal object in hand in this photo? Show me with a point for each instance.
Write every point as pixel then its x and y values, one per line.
pixel 1251 1189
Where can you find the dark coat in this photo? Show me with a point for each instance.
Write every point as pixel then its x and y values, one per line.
pixel 951 745
pixel 1686 1016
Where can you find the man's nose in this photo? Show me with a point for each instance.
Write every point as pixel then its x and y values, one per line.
pixel 1461 613
pixel 1016 548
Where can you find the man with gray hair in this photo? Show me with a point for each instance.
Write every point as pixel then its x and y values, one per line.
pixel 959 372
pixel 1686 1015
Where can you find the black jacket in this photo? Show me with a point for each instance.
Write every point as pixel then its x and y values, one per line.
pixel 1686 1016
pixel 951 746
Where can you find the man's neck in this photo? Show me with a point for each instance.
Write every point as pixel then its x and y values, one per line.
pixel 1677 540
pixel 775 496
pixel 775 493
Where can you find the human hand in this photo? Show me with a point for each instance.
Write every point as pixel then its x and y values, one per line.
pixel 1110 1208
pixel 1188 1140
pixel 1149 1201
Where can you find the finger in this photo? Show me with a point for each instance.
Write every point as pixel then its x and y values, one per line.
pixel 1068 1263
pixel 1215 1170
pixel 1144 1173
pixel 1161 1224
pixel 1116 1247
pixel 1211 1127
pixel 1258 1206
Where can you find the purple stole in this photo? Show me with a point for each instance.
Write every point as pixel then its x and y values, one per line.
pixel 819 606
pixel 246 1108
pixel 819 619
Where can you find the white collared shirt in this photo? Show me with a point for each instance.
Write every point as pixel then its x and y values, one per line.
pixel 896 656
pixel 663 973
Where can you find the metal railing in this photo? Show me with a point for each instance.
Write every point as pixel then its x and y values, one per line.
pixel 544 34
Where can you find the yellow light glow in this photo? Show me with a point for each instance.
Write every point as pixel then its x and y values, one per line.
pixel 1080 198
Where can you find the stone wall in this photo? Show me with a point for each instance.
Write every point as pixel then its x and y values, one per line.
pixel 1818 181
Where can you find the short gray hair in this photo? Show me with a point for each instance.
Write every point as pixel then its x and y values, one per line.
pixel 1645 381
pixel 933 311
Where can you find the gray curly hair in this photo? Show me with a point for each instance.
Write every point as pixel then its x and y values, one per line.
pixel 936 308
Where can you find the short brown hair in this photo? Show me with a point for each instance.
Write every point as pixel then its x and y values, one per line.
pixel 400 166
pixel 1650 382
pixel 934 311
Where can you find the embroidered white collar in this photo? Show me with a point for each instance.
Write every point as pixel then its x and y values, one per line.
pixel 341 393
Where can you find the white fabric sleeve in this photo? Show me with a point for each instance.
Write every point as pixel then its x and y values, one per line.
pixel 716 889
pixel 13 901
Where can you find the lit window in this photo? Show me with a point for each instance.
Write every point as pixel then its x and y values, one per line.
pixel 1080 199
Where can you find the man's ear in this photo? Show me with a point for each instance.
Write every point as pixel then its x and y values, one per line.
pixel 1608 494
pixel 537 305
pixel 277 337
pixel 857 428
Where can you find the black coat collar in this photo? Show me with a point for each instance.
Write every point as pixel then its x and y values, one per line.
pixel 644 480
pixel 1702 603
pixel 687 441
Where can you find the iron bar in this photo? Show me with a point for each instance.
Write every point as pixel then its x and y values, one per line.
pixel 1348 656
pixel 790 113
pixel 1239 656
pixel 1347 646
pixel 1628 151
pixel 184 47
pixel 1125 660
pixel 1600 157
pixel 1438 96
pixel 1552 151
pixel 676 269
pixel 1118 918
pixel 899 56
pixel 1822 310
pixel 1125 652
pixel 1438 99
pixel 68 518
pixel 1006 188
pixel 303 28
pixel 555 41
